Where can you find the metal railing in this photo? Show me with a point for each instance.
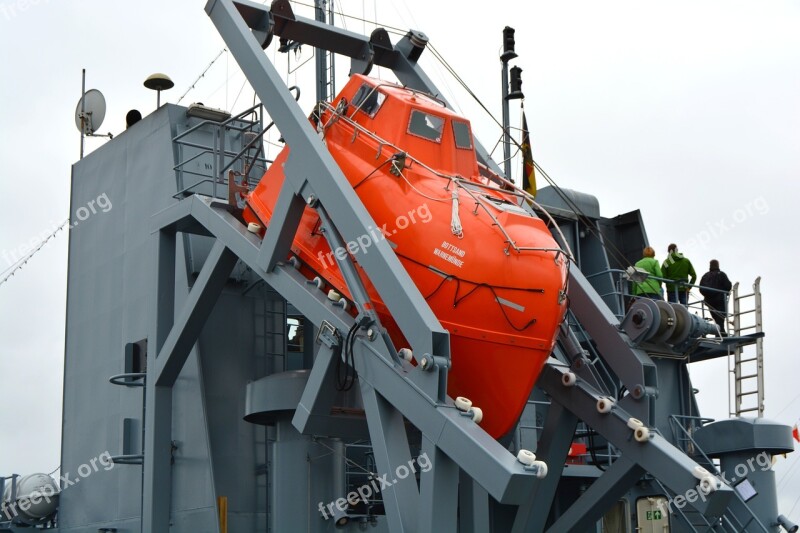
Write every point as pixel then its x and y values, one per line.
pixel 728 518
pixel 249 124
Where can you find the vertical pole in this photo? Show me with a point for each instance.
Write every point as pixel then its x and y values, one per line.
pixel 507 55
pixel 506 122
pixel 321 56
pixel 737 353
pixel 83 107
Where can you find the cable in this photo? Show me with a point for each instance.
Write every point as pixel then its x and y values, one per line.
pixel 22 262
pixel 345 380
pixel 201 75
pixel 609 247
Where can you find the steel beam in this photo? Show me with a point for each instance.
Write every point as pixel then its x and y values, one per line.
pixel 593 503
pixel 438 491
pixel 319 392
pixel 174 340
pixel 157 470
pixel 557 435
pixel 482 457
pixel 193 316
pixel 633 366
pixel 390 444
pixel 473 506
pixel 278 238
pixel 657 455
pixel 311 162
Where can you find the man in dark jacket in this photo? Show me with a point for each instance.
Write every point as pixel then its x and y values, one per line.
pixel 714 286
pixel 678 268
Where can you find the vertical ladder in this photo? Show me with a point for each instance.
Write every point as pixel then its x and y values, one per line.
pixel 748 361
pixel 326 74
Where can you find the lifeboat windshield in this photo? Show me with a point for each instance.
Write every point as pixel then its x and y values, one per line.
pixel 426 125
pixel 368 99
pixel 462 135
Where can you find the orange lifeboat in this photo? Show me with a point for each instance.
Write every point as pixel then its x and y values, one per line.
pixel 490 271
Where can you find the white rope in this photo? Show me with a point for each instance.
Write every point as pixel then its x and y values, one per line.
pixel 455 222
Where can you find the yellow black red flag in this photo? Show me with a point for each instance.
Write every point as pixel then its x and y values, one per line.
pixel 528 171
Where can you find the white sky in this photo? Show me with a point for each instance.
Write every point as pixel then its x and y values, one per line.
pixel 688 110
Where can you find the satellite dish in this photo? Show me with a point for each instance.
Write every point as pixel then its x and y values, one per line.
pixel 91 111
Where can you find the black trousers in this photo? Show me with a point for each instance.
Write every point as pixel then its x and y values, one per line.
pixel 718 314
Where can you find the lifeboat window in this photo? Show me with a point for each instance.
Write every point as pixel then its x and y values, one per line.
pixel 368 99
pixel 462 135
pixel 426 125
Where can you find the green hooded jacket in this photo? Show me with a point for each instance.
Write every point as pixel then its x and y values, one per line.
pixel 649 286
pixel 678 268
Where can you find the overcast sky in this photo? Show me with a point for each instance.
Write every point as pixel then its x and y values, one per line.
pixel 687 110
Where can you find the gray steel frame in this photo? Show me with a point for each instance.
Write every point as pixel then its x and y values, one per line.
pixel 392 389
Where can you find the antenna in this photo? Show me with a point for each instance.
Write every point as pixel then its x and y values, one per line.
pixel 158 82
pixel 90 112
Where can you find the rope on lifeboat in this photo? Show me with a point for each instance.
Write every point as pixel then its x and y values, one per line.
pixel 477 285
pixel 455 220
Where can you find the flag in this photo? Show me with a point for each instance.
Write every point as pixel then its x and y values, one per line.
pixel 528 172
pixel 796 433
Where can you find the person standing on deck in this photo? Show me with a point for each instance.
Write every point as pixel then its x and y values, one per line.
pixel 716 300
pixel 678 268
pixel 649 288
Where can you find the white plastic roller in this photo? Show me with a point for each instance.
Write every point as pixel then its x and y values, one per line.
pixel 641 434
pixel 463 404
pixel 477 414
pixel 334 296
pixel 408 355
pixel 635 423
pixel 604 405
pixel 254 227
pixel 541 469
pixel 708 484
pixel 526 457
pixel 568 379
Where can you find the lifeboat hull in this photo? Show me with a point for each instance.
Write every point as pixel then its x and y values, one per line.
pixel 501 305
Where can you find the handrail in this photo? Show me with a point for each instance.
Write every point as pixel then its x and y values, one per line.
pixel 239 117
pixel 700 451
pixel 135 459
pixel 130 379
pixel 459 181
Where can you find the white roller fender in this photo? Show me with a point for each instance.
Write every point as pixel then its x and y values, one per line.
pixel 526 457
pixel 635 423
pixel 477 414
pixel 708 484
pixel 541 469
pixel 604 405
pixel 463 404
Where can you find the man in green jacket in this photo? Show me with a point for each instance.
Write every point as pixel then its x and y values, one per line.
pixel 649 288
pixel 678 268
